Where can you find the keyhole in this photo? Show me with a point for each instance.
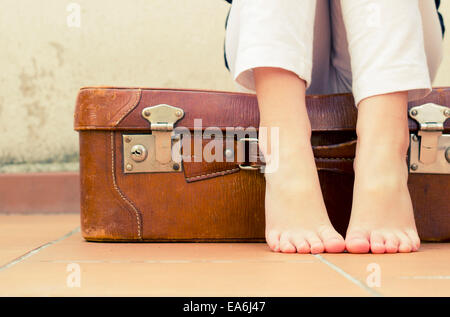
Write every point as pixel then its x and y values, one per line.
pixel 138 153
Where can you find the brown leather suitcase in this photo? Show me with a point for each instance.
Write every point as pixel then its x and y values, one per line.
pixel 134 189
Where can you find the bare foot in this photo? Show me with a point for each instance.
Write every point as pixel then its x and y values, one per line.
pixel 382 219
pixel 296 218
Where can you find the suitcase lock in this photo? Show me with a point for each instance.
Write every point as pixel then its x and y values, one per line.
pixel 429 150
pixel 158 151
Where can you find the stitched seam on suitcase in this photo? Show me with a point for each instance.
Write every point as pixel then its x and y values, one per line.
pixel 213 174
pixel 138 98
pixel 226 172
pixel 136 211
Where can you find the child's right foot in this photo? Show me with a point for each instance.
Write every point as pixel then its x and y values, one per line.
pixel 296 218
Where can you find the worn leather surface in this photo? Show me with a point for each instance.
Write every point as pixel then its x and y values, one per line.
pixel 217 201
pixel 116 108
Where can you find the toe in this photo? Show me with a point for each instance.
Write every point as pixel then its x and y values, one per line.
pixel 286 245
pixel 405 243
pixel 377 242
pixel 391 242
pixel 301 244
pixel 333 241
pixel 273 240
pixel 315 243
pixel 415 240
pixel 357 242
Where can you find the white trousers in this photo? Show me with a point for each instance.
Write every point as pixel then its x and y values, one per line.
pixel 368 47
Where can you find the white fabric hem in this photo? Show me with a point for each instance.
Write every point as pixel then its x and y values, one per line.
pixel 251 58
pixel 417 84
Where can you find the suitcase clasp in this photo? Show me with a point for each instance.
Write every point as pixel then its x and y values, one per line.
pixel 429 149
pixel 156 152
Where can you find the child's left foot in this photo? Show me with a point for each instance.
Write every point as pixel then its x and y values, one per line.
pixel 382 219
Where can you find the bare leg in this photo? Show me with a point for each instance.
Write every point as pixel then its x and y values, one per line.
pixel 382 217
pixel 296 218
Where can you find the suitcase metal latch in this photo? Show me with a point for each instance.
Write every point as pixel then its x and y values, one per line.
pixel 252 154
pixel 430 149
pixel 156 152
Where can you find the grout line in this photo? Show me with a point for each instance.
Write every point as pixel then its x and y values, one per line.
pixel 176 261
pixel 348 276
pixel 37 250
pixel 430 277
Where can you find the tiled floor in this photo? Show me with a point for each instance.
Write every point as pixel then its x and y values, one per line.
pixel 42 255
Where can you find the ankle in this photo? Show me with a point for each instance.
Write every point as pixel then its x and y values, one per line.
pixel 383 123
pixel 389 142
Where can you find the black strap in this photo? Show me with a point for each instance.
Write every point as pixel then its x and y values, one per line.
pixel 441 19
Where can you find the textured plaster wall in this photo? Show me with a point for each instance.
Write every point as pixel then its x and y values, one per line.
pixel 152 43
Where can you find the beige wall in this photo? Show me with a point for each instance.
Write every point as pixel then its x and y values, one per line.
pixel 151 43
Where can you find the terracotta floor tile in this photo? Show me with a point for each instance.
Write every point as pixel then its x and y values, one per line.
pixel 22 233
pixel 173 269
pixel 76 248
pixel 424 273
pixel 200 269
pixel 178 279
